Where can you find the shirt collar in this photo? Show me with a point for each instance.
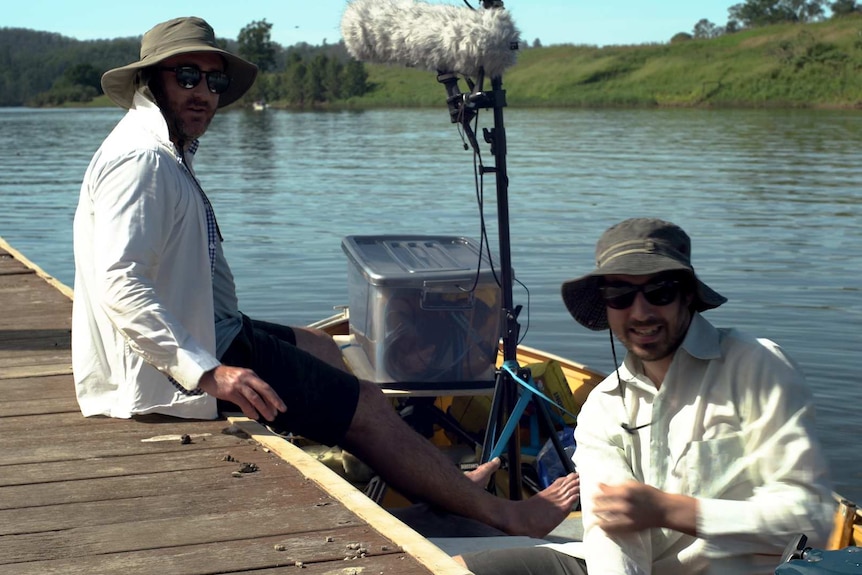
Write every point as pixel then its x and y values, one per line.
pixel 153 116
pixel 703 340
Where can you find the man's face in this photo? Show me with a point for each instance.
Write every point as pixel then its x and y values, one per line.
pixel 188 111
pixel 650 331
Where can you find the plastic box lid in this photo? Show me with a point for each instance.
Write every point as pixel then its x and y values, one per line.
pixel 410 261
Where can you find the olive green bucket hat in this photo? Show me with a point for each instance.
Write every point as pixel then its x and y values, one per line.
pixel 638 246
pixel 177 36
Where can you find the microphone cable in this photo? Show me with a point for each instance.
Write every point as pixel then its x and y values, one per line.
pixel 627 427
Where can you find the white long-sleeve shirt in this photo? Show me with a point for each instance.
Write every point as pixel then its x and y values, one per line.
pixel 732 425
pixel 143 305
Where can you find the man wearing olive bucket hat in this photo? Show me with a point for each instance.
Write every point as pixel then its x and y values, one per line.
pixel 150 276
pixel 698 454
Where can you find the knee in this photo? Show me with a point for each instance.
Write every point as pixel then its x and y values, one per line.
pixel 371 396
pixel 321 345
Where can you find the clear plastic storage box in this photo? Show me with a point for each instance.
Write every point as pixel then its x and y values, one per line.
pixel 420 310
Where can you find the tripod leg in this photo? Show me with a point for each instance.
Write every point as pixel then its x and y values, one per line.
pixel 545 419
pixel 496 419
pixel 506 413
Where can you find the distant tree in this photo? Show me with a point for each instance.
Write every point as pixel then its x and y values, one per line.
pixel 355 79
pixel 844 8
pixel 295 83
pixel 314 81
pixel 255 45
pixel 705 29
pixel 537 43
pixel 82 75
pixel 754 13
pixel 732 27
pixel 680 37
pixel 333 79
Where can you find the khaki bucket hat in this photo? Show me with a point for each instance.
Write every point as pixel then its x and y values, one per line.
pixel 638 246
pixel 177 36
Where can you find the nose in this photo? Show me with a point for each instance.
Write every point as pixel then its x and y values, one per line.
pixel 202 89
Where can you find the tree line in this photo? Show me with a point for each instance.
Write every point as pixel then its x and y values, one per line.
pixel 758 13
pixel 47 69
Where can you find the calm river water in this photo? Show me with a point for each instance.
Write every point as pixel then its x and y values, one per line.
pixel 772 200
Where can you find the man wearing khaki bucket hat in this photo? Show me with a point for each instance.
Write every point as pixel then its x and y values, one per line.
pixel 151 276
pixel 698 454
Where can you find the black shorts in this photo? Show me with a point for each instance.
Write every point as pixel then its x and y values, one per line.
pixel 320 399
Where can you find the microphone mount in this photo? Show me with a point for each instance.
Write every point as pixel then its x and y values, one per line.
pixel 464 106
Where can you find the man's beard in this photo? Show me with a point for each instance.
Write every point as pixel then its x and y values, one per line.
pixel 183 131
pixel 657 352
pixel 674 335
pixel 178 129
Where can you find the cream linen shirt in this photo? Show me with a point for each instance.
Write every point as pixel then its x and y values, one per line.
pixel 733 426
pixel 143 305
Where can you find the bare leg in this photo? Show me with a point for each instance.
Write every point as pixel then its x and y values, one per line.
pixel 414 466
pixel 321 345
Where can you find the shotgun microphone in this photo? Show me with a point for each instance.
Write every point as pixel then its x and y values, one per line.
pixel 441 38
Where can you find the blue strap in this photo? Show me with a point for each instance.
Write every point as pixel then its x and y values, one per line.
pixel 531 386
pixel 527 393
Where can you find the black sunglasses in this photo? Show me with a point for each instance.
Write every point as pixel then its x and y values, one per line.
pixel 190 76
pixel 621 295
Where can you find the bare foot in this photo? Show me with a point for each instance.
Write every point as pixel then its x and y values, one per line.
pixel 541 513
pixel 482 474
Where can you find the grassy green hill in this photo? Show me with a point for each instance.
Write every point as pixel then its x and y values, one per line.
pixel 811 65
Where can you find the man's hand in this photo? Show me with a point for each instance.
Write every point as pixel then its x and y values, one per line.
pixel 634 506
pixel 245 389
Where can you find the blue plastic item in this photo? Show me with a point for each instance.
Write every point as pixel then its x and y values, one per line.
pixel 548 464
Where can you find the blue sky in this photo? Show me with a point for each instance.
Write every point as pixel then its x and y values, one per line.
pixel 599 22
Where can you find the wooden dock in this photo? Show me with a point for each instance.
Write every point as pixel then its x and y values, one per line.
pixel 158 495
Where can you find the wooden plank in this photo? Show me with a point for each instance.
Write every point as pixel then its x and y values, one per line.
pixel 34 339
pixel 50 387
pixel 38 406
pixel 58 286
pixel 106 443
pixel 385 565
pixel 50 424
pixel 193 527
pixel 73 482
pixel 146 428
pixel 46 370
pixel 23 357
pixel 10 266
pixel 288 493
pixel 241 555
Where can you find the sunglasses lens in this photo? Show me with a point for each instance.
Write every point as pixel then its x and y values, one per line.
pixel 661 293
pixel 188 77
pixel 619 297
pixel 622 296
pixel 218 82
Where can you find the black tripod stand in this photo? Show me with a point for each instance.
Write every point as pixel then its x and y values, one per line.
pixel 513 389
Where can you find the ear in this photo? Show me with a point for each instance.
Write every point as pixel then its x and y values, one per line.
pixel 688 298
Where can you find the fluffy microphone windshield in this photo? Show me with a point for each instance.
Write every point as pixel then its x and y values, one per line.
pixel 435 37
